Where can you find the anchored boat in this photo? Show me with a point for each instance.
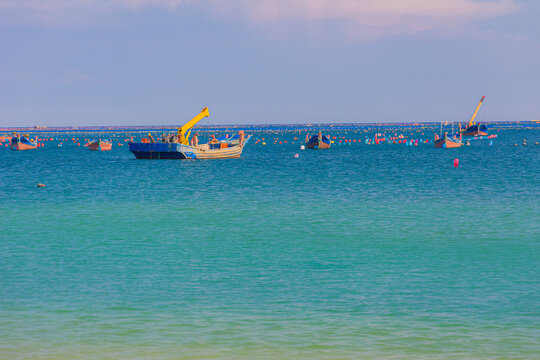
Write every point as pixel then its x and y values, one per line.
pixel 445 141
pixel 180 146
pixel 474 129
pixel 318 141
pixel 100 145
pixel 22 142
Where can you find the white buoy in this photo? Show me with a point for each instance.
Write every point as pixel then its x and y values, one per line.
pixel 302 147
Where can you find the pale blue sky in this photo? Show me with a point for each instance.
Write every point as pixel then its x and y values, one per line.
pixel 135 62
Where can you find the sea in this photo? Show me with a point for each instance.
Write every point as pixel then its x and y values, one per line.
pixel 367 250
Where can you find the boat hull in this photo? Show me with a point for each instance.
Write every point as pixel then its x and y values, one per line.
pixel 447 143
pixel 316 143
pixel 22 144
pixel 476 130
pixel 177 151
pixel 99 146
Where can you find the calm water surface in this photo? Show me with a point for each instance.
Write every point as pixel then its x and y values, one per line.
pixel 356 252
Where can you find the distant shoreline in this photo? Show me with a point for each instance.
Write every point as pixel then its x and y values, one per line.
pixel 251 126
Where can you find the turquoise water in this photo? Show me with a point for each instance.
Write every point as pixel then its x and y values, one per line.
pixel 360 251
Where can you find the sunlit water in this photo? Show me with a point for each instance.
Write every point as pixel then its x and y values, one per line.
pixel 360 251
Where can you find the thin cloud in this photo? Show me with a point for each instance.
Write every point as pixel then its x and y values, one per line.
pixel 372 17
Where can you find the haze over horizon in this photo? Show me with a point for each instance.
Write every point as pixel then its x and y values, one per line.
pixel 145 62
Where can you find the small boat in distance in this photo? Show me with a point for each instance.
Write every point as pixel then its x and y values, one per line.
pixel 100 145
pixel 318 141
pixel 474 129
pixel 180 146
pixel 22 142
pixel 444 141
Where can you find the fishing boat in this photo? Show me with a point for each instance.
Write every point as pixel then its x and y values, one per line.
pixel 100 145
pixel 445 141
pixel 22 142
pixel 473 128
pixel 181 146
pixel 318 141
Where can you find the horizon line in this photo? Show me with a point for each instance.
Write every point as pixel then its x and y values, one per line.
pixel 169 127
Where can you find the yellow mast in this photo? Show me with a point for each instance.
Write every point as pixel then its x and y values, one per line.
pixel 185 131
pixel 476 111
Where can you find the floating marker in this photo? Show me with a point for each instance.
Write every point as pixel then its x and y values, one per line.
pixel 296 156
pixel 302 147
pixel 456 162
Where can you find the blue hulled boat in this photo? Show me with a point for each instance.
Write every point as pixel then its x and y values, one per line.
pixel 474 129
pixel 318 141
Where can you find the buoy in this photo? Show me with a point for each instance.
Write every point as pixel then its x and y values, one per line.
pixel 40 185
pixel 456 162
pixel 302 147
pixel 296 156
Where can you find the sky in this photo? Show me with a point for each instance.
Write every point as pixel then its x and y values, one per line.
pixel 159 62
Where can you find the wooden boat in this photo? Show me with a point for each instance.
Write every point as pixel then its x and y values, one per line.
pixel 474 129
pixel 100 145
pixel 318 141
pixel 447 142
pixel 180 146
pixel 23 142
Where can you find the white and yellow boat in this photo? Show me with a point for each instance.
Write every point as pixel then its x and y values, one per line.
pixel 180 146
